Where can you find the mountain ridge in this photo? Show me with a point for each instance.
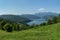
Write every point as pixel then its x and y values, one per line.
pixel 15 18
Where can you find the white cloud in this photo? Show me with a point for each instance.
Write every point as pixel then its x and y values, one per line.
pixel 41 9
pixel 9 12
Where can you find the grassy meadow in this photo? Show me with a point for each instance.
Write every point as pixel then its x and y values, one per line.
pixel 50 32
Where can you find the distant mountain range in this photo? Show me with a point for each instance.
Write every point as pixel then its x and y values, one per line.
pixel 26 18
pixel 30 16
pixel 39 15
pixel 46 15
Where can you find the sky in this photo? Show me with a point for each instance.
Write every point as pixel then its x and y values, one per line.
pixel 18 7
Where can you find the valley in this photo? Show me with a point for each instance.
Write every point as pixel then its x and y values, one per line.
pixel 29 19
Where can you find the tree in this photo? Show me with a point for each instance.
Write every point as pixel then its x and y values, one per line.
pixel 43 24
pixel 55 19
pixel 8 27
pixel 50 22
pixel 2 23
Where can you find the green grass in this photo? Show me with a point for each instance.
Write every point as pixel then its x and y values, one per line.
pixel 50 32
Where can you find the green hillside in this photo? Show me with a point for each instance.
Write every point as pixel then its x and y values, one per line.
pixel 50 32
pixel 15 18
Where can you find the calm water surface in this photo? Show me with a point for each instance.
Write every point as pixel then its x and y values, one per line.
pixel 36 22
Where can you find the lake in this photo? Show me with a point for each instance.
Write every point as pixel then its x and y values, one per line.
pixel 36 22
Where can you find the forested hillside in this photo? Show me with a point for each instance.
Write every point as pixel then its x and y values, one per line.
pixel 15 18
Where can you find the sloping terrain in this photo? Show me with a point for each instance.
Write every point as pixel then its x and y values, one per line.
pixel 46 15
pixel 30 16
pixel 50 32
pixel 15 18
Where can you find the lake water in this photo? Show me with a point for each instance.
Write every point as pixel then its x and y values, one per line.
pixel 36 22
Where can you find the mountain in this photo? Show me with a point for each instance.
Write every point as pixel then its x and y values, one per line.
pixel 15 18
pixel 30 16
pixel 38 18
pixel 46 15
pixel 39 15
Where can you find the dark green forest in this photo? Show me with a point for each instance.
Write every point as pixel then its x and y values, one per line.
pixel 11 26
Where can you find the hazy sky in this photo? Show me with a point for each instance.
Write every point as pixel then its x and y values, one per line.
pixel 28 6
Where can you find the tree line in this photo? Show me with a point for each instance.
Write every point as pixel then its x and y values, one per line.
pixel 53 20
pixel 12 26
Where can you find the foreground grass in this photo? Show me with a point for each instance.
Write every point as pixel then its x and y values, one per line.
pixel 50 32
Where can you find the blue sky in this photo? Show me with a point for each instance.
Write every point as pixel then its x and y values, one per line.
pixel 28 6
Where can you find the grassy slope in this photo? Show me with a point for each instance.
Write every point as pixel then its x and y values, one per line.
pixel 50 32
